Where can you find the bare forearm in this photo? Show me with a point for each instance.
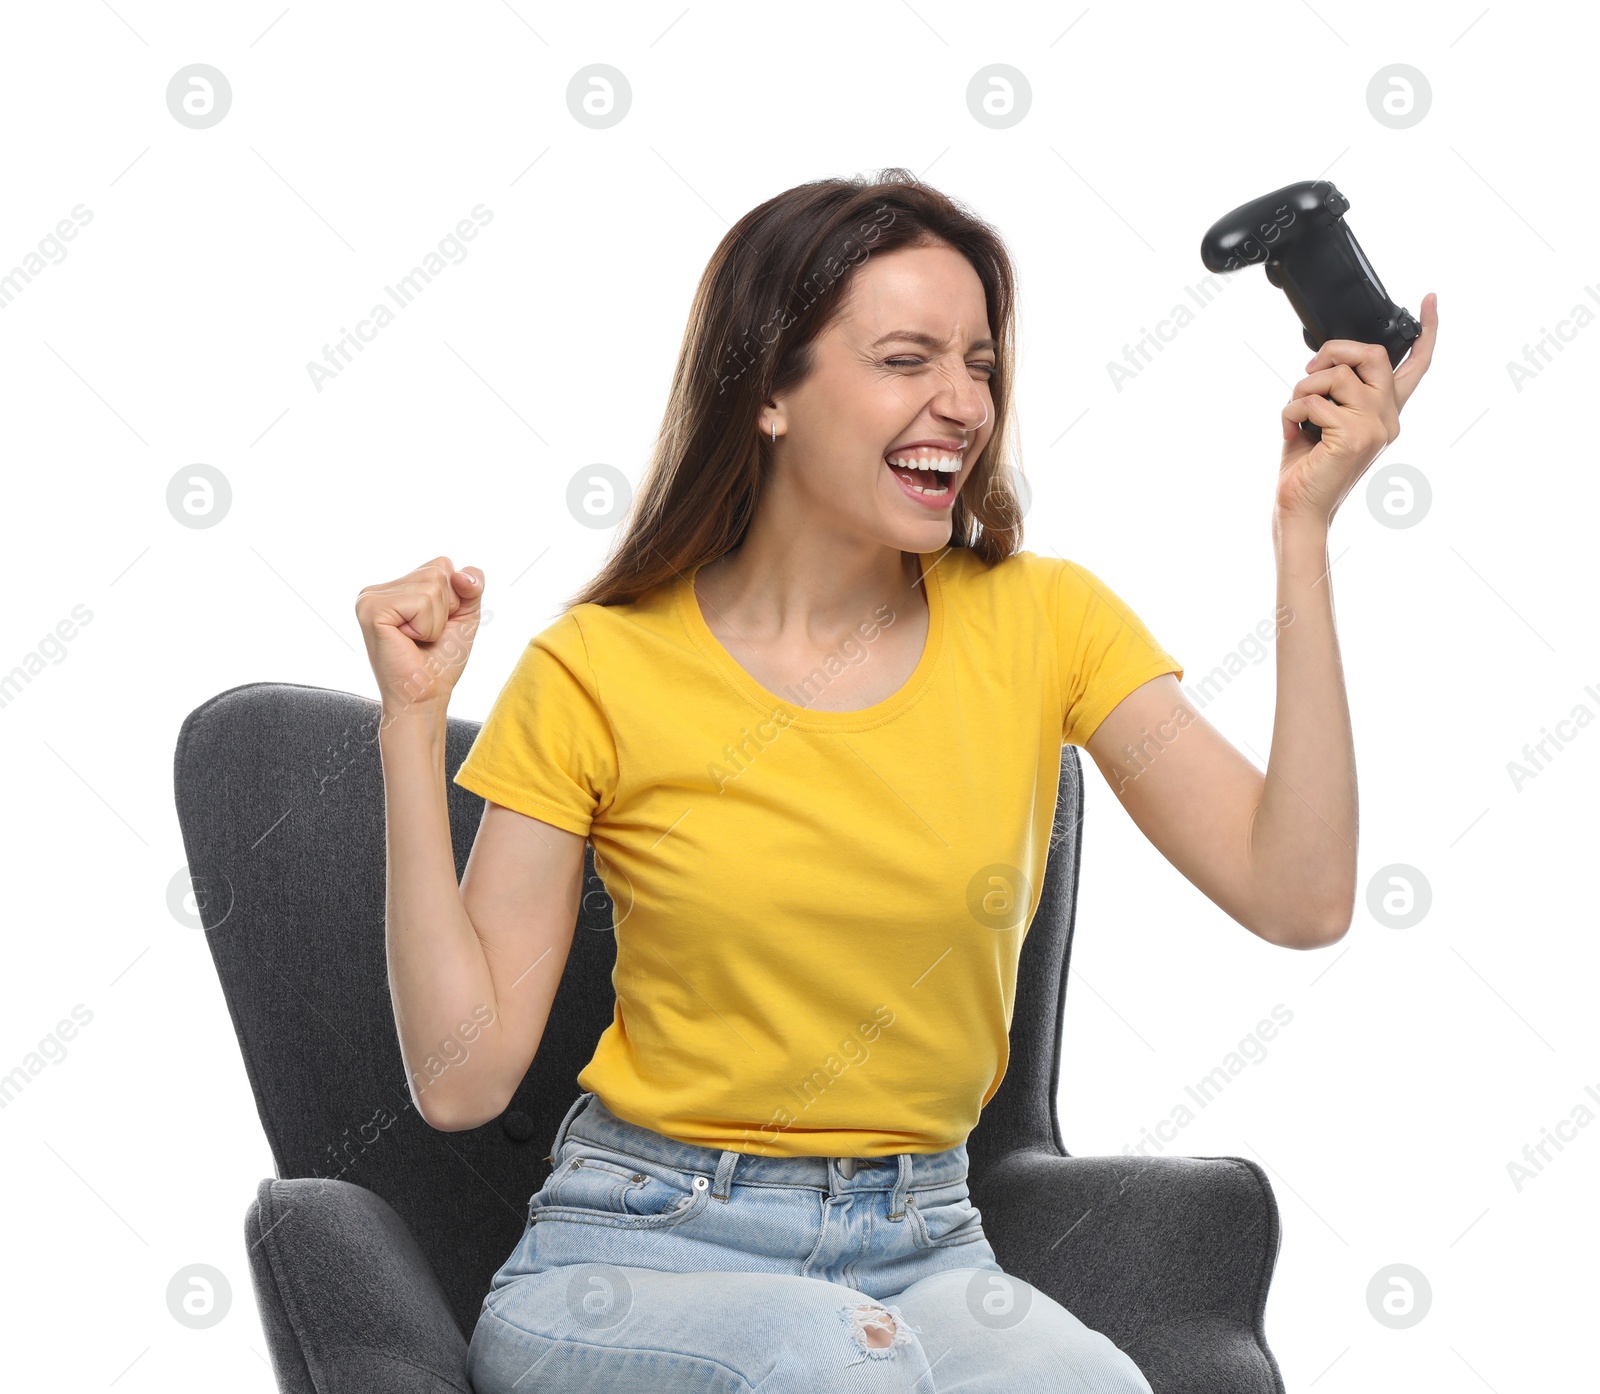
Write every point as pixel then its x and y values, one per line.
pixel 439 979
pixel 1303 835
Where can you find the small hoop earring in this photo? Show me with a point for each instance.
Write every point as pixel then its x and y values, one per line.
pixel 774 430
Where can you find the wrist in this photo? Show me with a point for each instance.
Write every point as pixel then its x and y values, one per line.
pixel 406 719
pixel 1299 529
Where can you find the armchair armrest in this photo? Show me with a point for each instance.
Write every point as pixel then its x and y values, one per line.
pixel 1170 1257
pixel 348 1301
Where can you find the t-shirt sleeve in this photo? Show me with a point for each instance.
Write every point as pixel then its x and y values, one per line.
pixel 1104 651
pixel 546 748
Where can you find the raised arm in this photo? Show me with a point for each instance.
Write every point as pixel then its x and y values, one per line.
pixel 474 967
pixel 1276 850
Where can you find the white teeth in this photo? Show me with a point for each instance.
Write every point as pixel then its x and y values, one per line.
pixel 945 464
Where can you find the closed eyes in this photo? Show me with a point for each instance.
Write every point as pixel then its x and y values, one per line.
pixel 990 368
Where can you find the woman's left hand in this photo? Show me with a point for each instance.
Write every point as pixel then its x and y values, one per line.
pixel 1362 418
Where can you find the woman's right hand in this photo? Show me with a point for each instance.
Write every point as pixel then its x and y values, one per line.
pixel 419 632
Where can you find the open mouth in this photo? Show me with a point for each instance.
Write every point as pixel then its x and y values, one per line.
pixel 926 472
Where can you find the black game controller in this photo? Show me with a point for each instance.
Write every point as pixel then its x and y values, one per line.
pixel 1299 234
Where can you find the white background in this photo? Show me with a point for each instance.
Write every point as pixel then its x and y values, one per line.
pixel 219 262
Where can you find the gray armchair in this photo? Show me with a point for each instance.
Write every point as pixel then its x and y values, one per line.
pixel 372 1248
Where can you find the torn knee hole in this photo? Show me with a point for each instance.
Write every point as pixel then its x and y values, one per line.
pixel 877 1328
pixel 874 1326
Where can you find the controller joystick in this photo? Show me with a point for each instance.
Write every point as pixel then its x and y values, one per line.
pixel 1298 235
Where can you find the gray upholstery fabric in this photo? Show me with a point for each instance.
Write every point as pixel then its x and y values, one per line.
pixel 347 1299
pixel 372 1249
pixel 1169 1256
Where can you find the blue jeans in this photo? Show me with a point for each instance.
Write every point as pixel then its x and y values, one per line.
pixel 654 1266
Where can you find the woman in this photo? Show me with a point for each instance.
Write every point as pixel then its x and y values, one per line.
pixel 810 716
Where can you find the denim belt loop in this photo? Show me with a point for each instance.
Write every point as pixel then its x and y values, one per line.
pixel 561 1132
pixel 722 1187
pixel 897 1197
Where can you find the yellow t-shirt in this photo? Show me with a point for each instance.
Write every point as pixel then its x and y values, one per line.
pixel 818 913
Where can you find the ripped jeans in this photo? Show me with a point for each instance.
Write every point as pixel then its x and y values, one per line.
pixel 654 1266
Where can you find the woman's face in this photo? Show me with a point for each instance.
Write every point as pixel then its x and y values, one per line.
pixel 902 373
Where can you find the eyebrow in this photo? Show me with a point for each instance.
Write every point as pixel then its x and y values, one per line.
pixel 926 340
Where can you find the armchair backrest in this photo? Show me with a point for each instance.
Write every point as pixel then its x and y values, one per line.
pixel 279 791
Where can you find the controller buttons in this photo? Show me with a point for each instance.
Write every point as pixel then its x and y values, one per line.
pixel 1336 203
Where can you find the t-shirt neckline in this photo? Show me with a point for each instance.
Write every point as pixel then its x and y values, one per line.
pixel 811 718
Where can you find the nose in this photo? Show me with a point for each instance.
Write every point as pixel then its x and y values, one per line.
pixel 982 419
pixel 962 401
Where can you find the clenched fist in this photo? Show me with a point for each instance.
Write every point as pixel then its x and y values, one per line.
pixel 419 631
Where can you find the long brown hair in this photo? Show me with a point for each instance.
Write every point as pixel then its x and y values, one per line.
pixel 774 283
